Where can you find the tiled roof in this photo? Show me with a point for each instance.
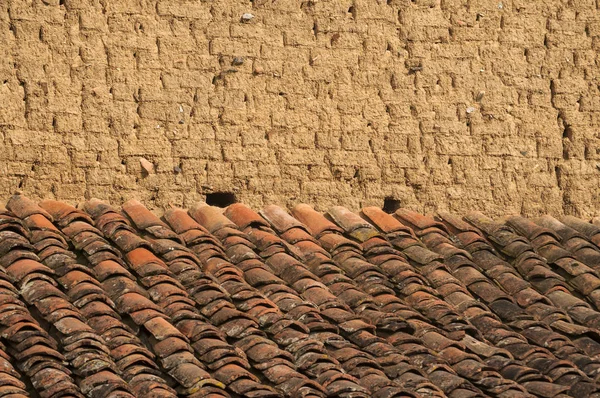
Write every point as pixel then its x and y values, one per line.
pixel 103 301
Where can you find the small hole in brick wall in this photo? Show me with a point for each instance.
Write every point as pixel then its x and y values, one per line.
pixel 61 2
pixel 390 205
pixel 220 199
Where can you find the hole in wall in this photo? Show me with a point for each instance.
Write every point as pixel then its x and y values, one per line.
pixel 352 12
pixel 568 133
pixel 413 111
pixel 390 205
pixel 220 199
pixel 558 173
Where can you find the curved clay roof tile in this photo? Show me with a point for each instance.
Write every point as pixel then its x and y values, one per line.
pixel 315 221
pixel 529 229
pixel 180 221
pixel 210 217
pixel 24 207
pixel 141 217
pixel 280 219
pixel 384 221
pixel 244 216
pixel 418 221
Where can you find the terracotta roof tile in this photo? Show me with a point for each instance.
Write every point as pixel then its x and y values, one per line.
pixel 212 302
pixel 280 220
pixel 211 218
pixel 315 221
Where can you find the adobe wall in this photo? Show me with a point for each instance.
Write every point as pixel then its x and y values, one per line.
pixel 493 105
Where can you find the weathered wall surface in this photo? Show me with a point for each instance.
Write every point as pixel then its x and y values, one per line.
pixel 491 105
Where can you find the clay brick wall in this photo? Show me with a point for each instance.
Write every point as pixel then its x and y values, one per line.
pixel 490 105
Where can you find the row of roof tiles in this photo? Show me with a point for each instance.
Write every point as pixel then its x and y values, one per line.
pixel 102 301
